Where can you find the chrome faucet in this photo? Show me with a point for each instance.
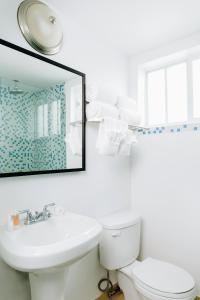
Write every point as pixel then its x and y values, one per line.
pixel 31 218
pixel 46 212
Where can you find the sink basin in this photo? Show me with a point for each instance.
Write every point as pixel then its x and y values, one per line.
pixel 46 249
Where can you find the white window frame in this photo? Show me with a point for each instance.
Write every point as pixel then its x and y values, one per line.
pixel 189 61
pixel 45 132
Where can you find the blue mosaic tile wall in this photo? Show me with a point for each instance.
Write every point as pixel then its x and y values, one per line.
pixel 16 131
pixel 20 148
pixel 170 129
pixel 50 151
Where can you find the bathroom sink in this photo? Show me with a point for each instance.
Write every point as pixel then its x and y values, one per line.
pixel 57 241
pixel 47 249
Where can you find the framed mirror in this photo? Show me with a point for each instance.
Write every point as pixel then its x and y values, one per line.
pixel 42 114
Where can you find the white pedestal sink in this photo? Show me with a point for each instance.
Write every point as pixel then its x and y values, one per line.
pixel 46 250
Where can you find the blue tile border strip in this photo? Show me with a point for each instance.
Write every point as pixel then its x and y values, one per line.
pixel 170 129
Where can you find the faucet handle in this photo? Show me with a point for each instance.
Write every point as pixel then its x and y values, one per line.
pixel 25 211
pixel 28 215
pixel 48 205
pixel 46 212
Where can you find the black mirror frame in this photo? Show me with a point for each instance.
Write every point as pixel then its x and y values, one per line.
pixel 52 62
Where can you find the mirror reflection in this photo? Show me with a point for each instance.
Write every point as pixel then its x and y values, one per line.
pixel 41 115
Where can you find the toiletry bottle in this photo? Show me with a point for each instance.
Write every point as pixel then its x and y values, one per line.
pixel 15 220
pixel 9 223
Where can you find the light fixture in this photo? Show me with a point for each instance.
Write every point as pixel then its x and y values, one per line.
pixel 40 26
pixel 16 89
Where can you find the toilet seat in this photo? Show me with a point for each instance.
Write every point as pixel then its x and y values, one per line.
pixel 160 280
pixel 155 294
pixel 163 277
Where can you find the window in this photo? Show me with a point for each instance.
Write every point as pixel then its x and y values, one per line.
pixel 45 119
pixel 176 80
pixel 156 97
pixel 48 119
pixel 196 88
pixel 167 95
pixel 55 117
pixel 40 131
pixel 42 120
pixel 173 93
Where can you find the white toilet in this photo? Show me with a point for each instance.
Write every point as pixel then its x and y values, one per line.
pixel 149 279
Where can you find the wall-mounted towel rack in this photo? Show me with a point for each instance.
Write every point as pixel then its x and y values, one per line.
pixel 131 127
pixel 137 127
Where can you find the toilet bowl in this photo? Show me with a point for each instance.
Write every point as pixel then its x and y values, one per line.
pixel 155 280
pixel 150 279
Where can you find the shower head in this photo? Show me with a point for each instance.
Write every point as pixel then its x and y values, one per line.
pixel 16 90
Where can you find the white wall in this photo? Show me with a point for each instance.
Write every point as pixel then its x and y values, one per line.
pixel 104 187
pixel 165 191
pixel 165 184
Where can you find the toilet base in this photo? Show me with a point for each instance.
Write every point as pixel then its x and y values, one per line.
pixel 127 286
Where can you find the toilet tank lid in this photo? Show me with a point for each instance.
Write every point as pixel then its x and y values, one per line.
pixel 120 219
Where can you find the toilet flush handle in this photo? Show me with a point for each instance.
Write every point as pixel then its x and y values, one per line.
pixel 116 233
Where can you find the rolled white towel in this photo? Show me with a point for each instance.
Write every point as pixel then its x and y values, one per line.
pixel 91 92
pixel 98 110
pixel 107 95
pixel 126 102
pixel 131 117
pixel 126 143
pixel 101 94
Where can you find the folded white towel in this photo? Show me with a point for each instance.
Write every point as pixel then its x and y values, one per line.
pixel 126 143
pixel 131 117
pixel 75 140
pixel 126 102
pixel 98 110
pixel 111 133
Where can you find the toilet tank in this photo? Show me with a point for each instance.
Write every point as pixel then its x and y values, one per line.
pixel 120 241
